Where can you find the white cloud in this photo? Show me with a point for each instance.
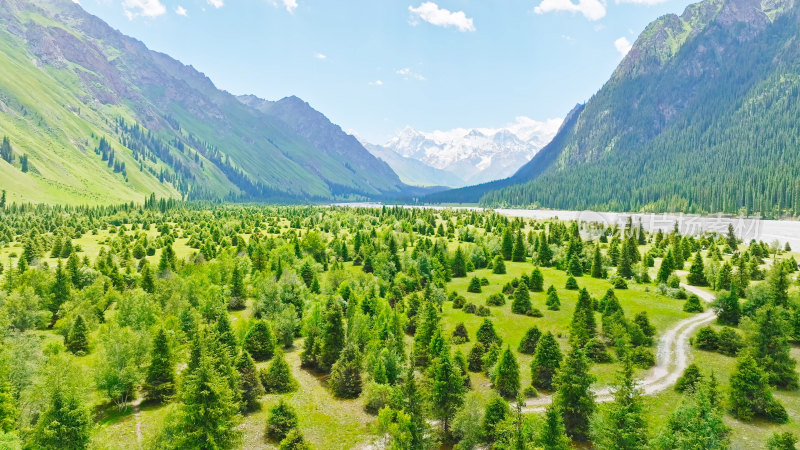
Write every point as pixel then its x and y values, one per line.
pixel 591 9
pixel 623 46
pixel 321 56
pixel 409 75
pixel 440 17
pixel 216 3
pixel 641 2
pixel 181 11
pixel 376 83
pixel 289 5
pixel 143 8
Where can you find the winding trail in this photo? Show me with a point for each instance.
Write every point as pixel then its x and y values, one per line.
pixel 673 355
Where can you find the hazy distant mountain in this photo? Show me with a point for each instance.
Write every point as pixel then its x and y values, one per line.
pixel 469 155
pixel 96 117
pixel 700 116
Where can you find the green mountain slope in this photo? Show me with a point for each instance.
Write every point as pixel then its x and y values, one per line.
pixel 69 80
pixel 700 116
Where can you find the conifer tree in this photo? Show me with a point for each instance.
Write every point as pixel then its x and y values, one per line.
pixel 487 335
pixel 507 245
pixel 597 263
pixel 475 359
pixel 583 326
pixel 537 280
pixel 293 441
pixel 529 342
pixel 167 260
pixel 728 310
pixel 499 266
pixel 459 266
pixel 64 424
pixel 250 388
pixel 345 379
pixel 522 300
pixel 259 341
pixel 623 426
pixel 427 326
pixel 160 380
pixel 697 275
pixel 778 284
pixel 696 424
pixel 237 291
pixel 474 285
pixel 447 390
pixel 574 396
pixel 750 395
pixel 77 339
pixel 148 282
pixel 770 344
pixel 506 376
pixel 60 292
pixel 546 362
pixel 281 421
pixel 277 378
pixel 624 268
pixel 667 267
pixel 725 277
pixel 519 253
pixel 553 303
pixel 553 436
pixel 8 405
pixel 413 407
pixel 496 412
pixel 333 336
pixel 690 380
pixel 544 254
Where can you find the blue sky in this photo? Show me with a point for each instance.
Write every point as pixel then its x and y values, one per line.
pixel 375 66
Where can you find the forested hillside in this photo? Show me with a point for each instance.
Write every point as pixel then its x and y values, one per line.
pixel 99 118
pixel 700 116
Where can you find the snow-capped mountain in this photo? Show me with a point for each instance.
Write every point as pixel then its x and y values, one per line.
pixel 470 156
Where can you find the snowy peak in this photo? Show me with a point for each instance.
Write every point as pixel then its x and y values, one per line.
pixel 476 155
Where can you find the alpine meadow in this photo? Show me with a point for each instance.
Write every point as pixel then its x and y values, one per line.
pixel 187 264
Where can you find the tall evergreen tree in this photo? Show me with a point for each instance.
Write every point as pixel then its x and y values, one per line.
pixel 537 280
pixel 64 424
pixel 553 436
pixel 277 378
pixel 506 376
pixel 345 379
pixel 750 395
pixel 507 244
pixel 546 362
pixel 250 388
pixel 148 282
pixel 529 342
pixel 697 275
pixel 519 252
pixel 544 253
pixel 522 299
pixel 77 338
pixel 447 390
pixel 160 380
pixel 574 396
pixel 597 263
pixel 59 292
pixel 281 421
pixel 770 344
pixel 666 269
pixel 728 309
pixel 459 266
pixel 333 336
pixel 623 425
pixel 496 412
pixel 260 341
pixel 583 326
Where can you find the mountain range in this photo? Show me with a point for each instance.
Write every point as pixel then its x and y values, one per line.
pixel 92 116
pixel 462 157
pixel 700 116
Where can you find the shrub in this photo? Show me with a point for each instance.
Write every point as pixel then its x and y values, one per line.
pixel 729 342
pixel 282 419
pixel 474 285
pixel 458 302
pixel 277 378
pixel 693 305
pixel 689 380
pixel 484 281
pixel 460 334
pixel 673 282
pixel 597 352
pixel 530 392
pixel 499 266
pixel 474 361
pixel 534 312
pixel 470 308
pixel 707 339
pixel 483 311
pixel 571 284
pixel 620 283
pixel 377 396
pixel 496 300
pixel 643 357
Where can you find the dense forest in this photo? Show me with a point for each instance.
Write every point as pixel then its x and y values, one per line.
pixel 297 327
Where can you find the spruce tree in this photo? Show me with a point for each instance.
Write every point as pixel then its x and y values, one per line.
pixel 259 341
pixel 696 424
pixel 208 411
pixel 506 376
pixel 750 395
pixel 770 344
pixel 518 253
pixel 496 412
pixel 537 280
pixel 544 254
pixel 697 275
pixel 293 441
pixel 413 407
pixel 553 303
pixel 574 396
pixel 333 336
pixel 499 266
pixel 59 292
pixel 277 378
pixel 160 380
pixel 623 426
pixel 447 390
pixel 281 421
pixel 345 379
pixel 237 290
pixel 459 266
pixel 250 388
pixel 64 424
pixel 528 344
pixel 725 277
pixel 546 362
pixel 487 335
pixel 507 245
pixel 522 300
pixel 597 263
pixel 624 268
pixel 690 380
pixel 553 436
pixel 583 326
pixel 728 310
pixel 666 269
pixel 77 339
pixel 148 282
pixel 475 358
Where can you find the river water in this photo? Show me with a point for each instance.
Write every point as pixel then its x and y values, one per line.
pixel 746 228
